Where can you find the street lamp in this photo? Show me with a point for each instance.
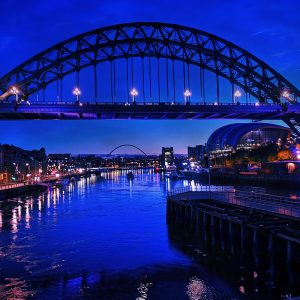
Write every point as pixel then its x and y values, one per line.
pixel 187 96
pixel 15 91
pixel 27 168
pixel 77 93
pixel 285 94
pixel 133 93
pixel 237 94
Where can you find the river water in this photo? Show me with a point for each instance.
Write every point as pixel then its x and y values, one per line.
pixel 105 238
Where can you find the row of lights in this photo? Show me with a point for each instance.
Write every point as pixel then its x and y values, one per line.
pixel 134 93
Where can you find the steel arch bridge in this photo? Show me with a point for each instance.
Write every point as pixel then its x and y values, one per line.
pixel 126 145
pixel 158 46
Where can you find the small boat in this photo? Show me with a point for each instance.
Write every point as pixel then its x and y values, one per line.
pixel 130 176
pixel 172 175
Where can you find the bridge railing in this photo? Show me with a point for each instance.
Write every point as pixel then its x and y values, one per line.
pixel 12 185
pixel 125 103
pixel 251 199
pixel 200 188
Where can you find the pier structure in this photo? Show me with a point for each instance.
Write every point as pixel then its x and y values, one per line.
pixel 248 219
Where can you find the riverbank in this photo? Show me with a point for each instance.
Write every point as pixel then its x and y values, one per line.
pixel 19 190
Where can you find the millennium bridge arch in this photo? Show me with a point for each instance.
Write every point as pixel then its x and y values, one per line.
pixel 153 72
pixel 127 145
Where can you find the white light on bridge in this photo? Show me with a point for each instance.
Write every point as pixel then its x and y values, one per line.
pixel 187 95
pixel 15 91
pixel 285 94
pixel 134 93
pixel 77 93
pixel 256 103
pixel 237 94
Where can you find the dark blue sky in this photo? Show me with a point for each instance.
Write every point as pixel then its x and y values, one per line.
pixel 268 29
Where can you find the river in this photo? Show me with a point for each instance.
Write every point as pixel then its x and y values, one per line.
pixel 103 238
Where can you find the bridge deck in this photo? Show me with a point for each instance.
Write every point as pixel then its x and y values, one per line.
pixel 141 111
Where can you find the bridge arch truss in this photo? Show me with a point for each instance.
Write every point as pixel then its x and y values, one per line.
pixel 155 40
pixel 127 145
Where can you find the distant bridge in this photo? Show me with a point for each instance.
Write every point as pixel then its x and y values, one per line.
pixel 127 145
pixel 148 70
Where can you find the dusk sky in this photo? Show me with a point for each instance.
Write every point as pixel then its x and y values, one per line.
pixel 267 29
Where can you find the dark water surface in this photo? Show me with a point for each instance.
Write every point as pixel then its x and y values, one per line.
pixel 103 238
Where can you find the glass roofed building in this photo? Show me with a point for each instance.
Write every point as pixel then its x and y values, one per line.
pixel 246 136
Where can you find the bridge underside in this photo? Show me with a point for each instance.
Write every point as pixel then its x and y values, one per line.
pixel 148 111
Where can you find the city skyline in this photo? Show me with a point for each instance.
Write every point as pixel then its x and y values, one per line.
pixel 261 27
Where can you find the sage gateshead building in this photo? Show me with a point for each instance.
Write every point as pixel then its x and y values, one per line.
pixel 247 136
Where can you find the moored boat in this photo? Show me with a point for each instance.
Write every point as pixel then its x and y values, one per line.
pixel 130 176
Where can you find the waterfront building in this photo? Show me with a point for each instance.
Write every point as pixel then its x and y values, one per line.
pixel 167 157
pixel 196 153
pixel 249 136
pixel 19 164
pixel 61 162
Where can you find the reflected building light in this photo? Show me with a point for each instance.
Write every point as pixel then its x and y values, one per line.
pixel 19 213
pixel 193 185
pixel 31 204
pixel 40 204
pixel 14 222
pixel 242 289
pixel 196 289
pixel 168 184
pixel 48 200
pixel 1 220
pixel 130 187
pixel 143 290
pixel 27 216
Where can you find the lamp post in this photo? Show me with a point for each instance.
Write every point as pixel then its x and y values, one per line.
pixel 133 93
pixel 15 91
pixel 187 96
pixel 77 93
pixel 285 94
pixel 209 178
pixel 237 94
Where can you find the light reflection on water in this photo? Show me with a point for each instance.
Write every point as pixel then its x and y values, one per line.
pixel 108 226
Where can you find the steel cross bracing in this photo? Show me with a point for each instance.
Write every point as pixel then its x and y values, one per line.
pixel 147 39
